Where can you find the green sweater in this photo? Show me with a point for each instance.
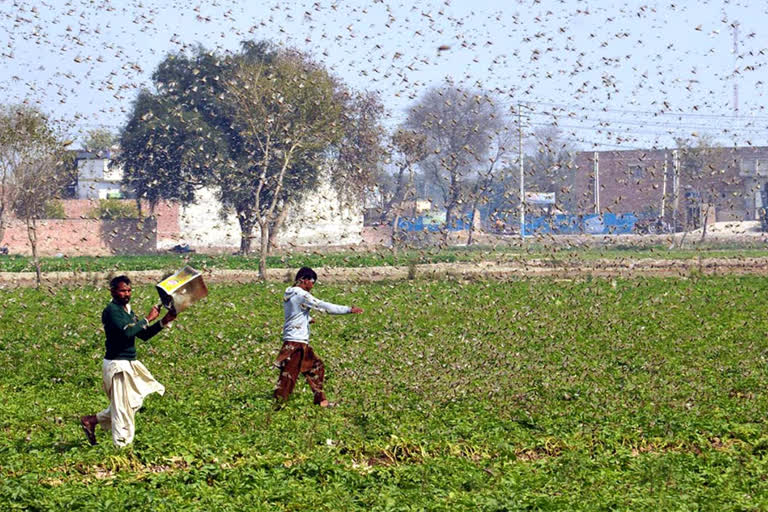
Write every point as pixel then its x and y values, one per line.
pixel 122 328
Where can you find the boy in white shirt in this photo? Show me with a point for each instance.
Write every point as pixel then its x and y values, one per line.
pixel 296 356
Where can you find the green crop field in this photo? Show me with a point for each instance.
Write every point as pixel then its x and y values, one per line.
pixel 642 394
pixel 383 257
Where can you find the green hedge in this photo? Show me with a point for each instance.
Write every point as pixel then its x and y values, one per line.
pixel 111 209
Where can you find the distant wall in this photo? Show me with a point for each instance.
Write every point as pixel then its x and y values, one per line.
pixel 201 225
pixel 377 235
pixel 82 237
pixel 166 215
pixel 166 212
pixel 322 219
pixel 78 235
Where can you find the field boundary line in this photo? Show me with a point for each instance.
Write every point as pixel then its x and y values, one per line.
pixel 431 271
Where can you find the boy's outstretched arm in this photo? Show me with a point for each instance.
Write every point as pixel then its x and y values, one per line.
pixel 334 309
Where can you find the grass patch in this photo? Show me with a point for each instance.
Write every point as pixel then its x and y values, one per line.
pixel 405 258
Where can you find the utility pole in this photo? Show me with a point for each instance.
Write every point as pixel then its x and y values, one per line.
pixel 758 195
pixel 675 187
pixel 596 173
pixel 736 68
pixel 663 188
pixel 522 176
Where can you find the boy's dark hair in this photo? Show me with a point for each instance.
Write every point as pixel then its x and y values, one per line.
pixel 117 280
pixel 305 273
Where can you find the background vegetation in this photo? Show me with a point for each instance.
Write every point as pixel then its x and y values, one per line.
pixel 109 209
pixel 384 257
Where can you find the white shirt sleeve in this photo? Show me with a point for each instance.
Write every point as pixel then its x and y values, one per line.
pixel 313 302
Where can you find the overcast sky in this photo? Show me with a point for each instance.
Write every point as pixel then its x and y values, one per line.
pixel 610 75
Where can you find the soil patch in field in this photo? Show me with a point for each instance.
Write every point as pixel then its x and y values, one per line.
pixel 434 271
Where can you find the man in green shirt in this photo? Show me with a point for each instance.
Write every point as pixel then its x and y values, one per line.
pixel 125 380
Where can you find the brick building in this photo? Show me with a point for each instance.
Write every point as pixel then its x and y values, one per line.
pixel 726 182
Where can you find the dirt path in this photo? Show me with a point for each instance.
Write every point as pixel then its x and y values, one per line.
pixel 477 270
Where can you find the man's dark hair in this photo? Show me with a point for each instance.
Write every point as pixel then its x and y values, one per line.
pixel 306 273
pixel 117 280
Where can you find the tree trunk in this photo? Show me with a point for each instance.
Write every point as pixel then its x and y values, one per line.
pixel 454 195
pixel 245 244
pixel 472 220
pixel 4 204
pixel 703 224
pixel 682 238
pixel 448 221
pixel 276 226
pixel 264 225
pixel 246 234
pixel 2 223
pixel 398 194
pixel 471 226
pixel 449 214
pixel 140 215
pixel 32 235
pixel 394 232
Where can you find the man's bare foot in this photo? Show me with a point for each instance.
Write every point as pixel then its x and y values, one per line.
pixel 326 403
pixel 88 424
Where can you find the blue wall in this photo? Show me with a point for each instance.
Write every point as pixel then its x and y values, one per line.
pixel 593 224
pixel 426 224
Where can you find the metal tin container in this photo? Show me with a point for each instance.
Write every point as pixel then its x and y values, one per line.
pixel 182 289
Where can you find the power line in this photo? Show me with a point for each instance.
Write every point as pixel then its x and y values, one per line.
pixel 643 123
pixel 650 113
pixel 605 130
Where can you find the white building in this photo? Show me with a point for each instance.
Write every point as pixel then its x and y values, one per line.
pixel 323 218
pixel 96 178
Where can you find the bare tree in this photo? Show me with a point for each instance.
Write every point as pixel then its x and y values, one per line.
pixel 32 163
pixel 408 147
pixel 701 161
pixel 504 145
pixel 357 157
pixel 11 156
pixel 261 127
pixel 288 113
pixel 458 125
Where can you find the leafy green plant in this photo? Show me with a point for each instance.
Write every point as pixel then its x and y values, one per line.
pixel 112 209
pixel 385 258
pixel 54 209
